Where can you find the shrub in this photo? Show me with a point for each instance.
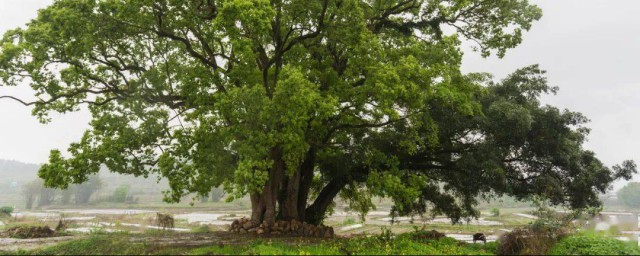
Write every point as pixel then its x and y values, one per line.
pixel 348 221
pixel 495 212
pixel 6 210
pixel 593 244
pixel 421 235
pixel 201 229
pixel 524 241
pixel 23 232
pixel 120 195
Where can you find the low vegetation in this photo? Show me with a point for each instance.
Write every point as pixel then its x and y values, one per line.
pixel 525 241
pixel 593 244
pixel 120 244
pixel 6 211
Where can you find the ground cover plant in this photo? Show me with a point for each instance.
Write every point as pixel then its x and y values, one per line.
pixel 591 243
pixel 413 243
pixel 121 244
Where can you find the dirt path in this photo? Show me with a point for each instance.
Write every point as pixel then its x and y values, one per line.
pixel 12 244
pixel 168 239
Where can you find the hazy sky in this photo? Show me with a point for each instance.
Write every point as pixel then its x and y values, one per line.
pixel 591 50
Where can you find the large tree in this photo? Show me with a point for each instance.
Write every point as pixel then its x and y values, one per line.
pixel 292 102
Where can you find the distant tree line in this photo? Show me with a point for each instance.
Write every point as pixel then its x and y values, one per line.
pixel 629 195
pixel 36 194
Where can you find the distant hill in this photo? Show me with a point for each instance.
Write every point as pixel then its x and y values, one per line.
pixel 11 171
pixel 14 174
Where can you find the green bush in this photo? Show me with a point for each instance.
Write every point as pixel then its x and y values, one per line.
pixel 6 210
pixel 348 222
pixel 495 212
pixel 593 244
pixel 120 195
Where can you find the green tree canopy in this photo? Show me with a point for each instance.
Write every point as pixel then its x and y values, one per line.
pixel 293 102
pixel 629 195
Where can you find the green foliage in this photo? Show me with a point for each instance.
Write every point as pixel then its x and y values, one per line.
pixel 629 195
pixel 495 212
pixel 6 210
pixel 593 244
pixel 552 223
pixel 348 222
pixel 201 229
pixel 95 244
pixel 120 195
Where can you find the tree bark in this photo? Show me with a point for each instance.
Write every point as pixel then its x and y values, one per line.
pixel 263 205
pixel 257 208
pixel 315 213
pixel 294 194
pixel 306 177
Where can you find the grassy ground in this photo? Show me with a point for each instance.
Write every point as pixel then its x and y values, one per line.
pixel 591 243
pixel 224 243
pixel 148 244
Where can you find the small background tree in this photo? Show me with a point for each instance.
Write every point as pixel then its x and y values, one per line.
pixel 629 195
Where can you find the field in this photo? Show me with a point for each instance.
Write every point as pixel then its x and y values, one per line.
pixel 201 230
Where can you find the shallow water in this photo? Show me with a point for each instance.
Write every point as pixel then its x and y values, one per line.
pixel 528 216
pixel 351 227
pixel 206 218
pixel 105 211
pixel 469 237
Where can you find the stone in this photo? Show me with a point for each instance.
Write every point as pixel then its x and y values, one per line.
pixel 260 231
pixel 328 233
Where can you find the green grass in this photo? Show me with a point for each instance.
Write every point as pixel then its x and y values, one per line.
pixel 403 244
pixel 101 244
pixel 593 244
pixel 407 243
pixel 120 244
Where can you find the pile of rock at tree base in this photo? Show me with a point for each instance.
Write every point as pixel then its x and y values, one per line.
pixel 292 227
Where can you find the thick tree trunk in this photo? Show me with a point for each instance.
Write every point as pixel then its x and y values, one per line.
pixel 257 208
pixel 315 213
pixel 295 190
pixel 288 198
pixel 263 205
pixel 290 194
pixel 306 177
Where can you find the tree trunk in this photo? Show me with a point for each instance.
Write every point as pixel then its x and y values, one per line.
pixel 263 205
pixel 288 198
pixel 257 208
pixel 30 199
pixel 294 194
pixel 315 213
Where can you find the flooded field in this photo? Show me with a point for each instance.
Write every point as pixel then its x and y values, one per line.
pixel 84 221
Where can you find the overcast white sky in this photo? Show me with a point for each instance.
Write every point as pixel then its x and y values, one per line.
pixel 591 50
